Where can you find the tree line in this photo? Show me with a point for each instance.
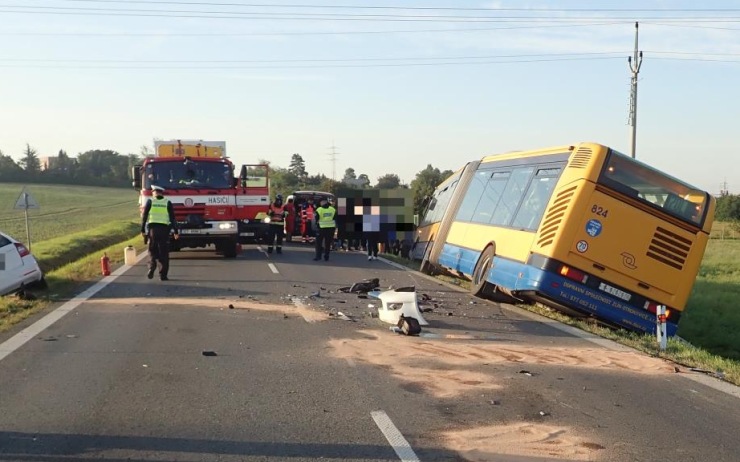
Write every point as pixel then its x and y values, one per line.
pixel 98 167
pixel 104 167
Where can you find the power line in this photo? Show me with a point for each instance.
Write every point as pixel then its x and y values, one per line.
pixel 318 60
pixel 174 66
pixel 408 8
pixel 268 34
pixel 126 12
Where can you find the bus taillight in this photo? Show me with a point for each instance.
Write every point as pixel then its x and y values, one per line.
pixel 653 308
pixel 574 274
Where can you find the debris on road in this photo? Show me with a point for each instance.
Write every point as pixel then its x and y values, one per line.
pixel 364 286
pixel 344 317
pixel 209 353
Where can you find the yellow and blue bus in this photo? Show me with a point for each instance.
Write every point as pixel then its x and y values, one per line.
pixel 583 228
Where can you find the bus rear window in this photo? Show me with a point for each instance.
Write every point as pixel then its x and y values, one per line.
pixel 661 191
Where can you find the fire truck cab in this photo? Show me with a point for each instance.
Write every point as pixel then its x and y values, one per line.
pixel 211 205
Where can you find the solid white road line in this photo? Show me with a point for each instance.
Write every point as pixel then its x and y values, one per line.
pixel 273 268
pixel 394 437
pixel 19 339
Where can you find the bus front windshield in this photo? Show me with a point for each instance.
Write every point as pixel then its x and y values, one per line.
pixel 661 191
pixel 192 174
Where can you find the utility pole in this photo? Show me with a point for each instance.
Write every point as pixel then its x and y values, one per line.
pixel 635 62
pixel 333 159
pixel 723 191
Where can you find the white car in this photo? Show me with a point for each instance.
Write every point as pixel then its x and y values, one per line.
pixel 18 268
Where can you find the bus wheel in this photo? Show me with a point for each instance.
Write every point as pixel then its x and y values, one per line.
pixel 479 286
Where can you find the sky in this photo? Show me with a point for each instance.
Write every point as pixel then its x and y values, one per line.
pixel 380 87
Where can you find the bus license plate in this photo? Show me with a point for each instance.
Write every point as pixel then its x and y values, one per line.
pixel 615 292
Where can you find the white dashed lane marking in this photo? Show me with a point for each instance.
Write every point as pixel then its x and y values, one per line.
pixel 273 268
pixel 394 437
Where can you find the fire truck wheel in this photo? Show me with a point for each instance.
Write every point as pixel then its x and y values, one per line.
pixel 230 249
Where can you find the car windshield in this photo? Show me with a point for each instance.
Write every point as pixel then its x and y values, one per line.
pixel 189 175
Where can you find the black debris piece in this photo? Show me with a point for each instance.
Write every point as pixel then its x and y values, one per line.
pixel 361 287
pixel 209 353
pixel 231 307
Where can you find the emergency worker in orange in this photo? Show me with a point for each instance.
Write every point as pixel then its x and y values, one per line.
pixel 276 213
pixel 307 220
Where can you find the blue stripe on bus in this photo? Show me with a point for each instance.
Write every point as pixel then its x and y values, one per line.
pixel 521 277
pixel 458 258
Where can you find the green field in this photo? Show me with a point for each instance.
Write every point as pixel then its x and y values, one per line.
pixel 64 209
pixel 712 316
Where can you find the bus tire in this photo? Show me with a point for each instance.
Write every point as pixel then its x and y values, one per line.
pixel 479 286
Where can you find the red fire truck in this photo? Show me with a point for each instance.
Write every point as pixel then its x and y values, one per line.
pixel 212 205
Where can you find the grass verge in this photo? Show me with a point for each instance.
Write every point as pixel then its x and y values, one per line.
pixel 73 261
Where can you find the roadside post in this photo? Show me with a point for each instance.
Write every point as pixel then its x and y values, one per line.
pixel 660 320
pixel 26 201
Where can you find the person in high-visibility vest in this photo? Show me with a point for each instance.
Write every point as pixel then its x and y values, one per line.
pixel 157 219
pixel 326 223
pixel 276 212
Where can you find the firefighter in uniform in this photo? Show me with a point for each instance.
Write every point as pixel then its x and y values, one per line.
pixel 327 225
pixel 157 220
pixel 276 212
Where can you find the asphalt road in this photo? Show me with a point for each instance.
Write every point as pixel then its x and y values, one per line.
pixel 248 360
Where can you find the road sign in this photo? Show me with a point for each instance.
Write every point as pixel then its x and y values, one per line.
pixel 26 201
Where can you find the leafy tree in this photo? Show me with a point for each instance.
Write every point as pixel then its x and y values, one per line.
pixel 9 169
pixel 103 167
pixel 424 184
pixel 63 163
pixel 349 174
pixel 297 166
pixel 388 181
pixel 283 181
pixel 728 208
pixel 30 161
pixel 365 178
pixel 329 185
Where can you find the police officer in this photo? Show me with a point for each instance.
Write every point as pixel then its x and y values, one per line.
pixel 157 220
pixel 276 212
pixel 326 223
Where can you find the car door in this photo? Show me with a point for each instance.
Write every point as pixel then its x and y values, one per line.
pixel 10 265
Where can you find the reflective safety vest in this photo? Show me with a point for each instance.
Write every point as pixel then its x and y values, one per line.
pixel 277 214
pixel 158 212
pixel 307 212
pixel 326 217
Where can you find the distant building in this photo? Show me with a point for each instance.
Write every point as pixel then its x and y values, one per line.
pixel 49 162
